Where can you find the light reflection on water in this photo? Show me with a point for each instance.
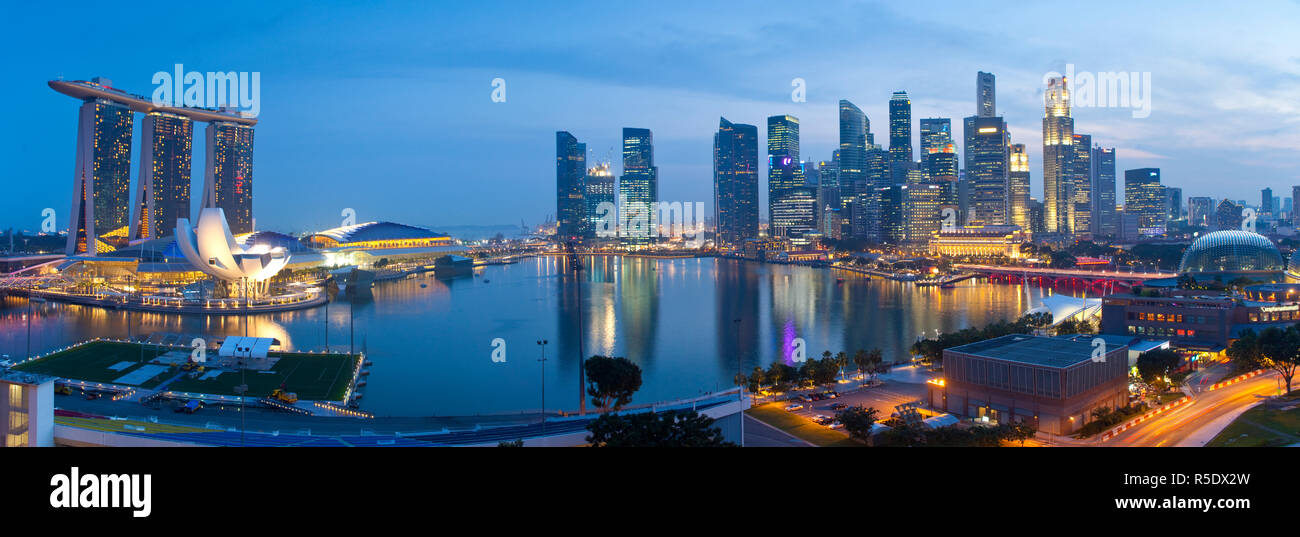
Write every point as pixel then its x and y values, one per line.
pixel 687 322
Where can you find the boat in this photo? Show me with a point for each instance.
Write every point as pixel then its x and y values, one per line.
pixel 948 285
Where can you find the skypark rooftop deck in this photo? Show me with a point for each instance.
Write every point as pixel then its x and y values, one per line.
pixel 87 90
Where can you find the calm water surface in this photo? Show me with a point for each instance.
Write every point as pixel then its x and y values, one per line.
pixel 687 322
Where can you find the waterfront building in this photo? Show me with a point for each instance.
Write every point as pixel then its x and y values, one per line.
pixel 570 187
pixel 922 203
pixel 102 177
pixel 376 235
pixel 1231 254
pixel 1054 384
pixel 228 181
pixel 735 183
pixel 1144 198
pixel 978 241
pixel 1201 320
pixel 638 188
pixel 794 215
pixel 27 407
pixel 783 167
pixel 163 187
pixel 600 186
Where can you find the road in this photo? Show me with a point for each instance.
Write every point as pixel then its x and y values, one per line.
pixel 1198 421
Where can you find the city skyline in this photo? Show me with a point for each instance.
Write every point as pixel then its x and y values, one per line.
pixel 589 95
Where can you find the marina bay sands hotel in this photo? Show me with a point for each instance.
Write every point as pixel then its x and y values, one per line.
pixel 100 220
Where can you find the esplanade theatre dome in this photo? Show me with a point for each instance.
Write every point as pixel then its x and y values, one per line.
pixel 1232 253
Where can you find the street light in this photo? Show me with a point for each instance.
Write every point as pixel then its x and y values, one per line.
pixel 542 343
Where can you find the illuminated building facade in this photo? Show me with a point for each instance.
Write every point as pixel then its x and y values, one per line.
pixel 735 183
pixel 1144 197
pixel 1058 138
pixel 1200 211
pixel 374 235
pixel 987 155
pixel 921 211
pixel 1199 322
pixel 163 189
pixel 27 408
pixel 1105 222
pixel 1080 186
pixel 900 136
pixel 978 241
pixel 638 188
pixel 985 95
pixel 1018 186
pixel 1053 384
pixel 783 168
pixel 795 215
pixel 853 163
pixel 102 177
pixel 228 183
pixel 570 188
pixel 599 188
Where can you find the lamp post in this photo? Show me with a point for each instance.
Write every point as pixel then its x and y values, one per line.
pixel 542 343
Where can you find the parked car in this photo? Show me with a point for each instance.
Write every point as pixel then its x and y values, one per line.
pixel 822 419
pixel 793 407
pixel 839 406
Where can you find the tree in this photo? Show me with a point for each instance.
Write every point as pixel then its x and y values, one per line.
pixel 611 381
pixel 1021 431
pixel 674 428
pixel 1275 348
pixel 858 421
pixel 1062 260
pixel 1152 365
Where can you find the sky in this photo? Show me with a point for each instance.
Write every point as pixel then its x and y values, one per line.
pixel 387 109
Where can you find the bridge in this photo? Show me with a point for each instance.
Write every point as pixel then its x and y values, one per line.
pixel 1105 280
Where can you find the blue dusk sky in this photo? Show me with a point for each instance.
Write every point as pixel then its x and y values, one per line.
pixel 387 109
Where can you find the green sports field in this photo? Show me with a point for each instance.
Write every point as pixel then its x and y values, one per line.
pixel 91 362
pixel 312 376
pixel 316 377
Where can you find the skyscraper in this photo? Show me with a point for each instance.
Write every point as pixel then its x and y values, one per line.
pixel 938 154
pixel 570 187
pixel 1144 197
pixel 1266 201
pixel 1295 206
pixel 794 214
pixel 599 188
pixel 1105 219
pixel 163 189
pixel 783 169
pixel 1200 211
pixel 853 160
pixel 1058 136
pixel 1174 203
pixel 102 177
pixel 1080 186
pixel 638 189
pixel 985 95
pixel 1018 186
pixel 735 183
pixel 228 183
pixel 900 136
pixel 987 153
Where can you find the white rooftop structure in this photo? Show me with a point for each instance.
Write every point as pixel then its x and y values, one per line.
pixel 246 347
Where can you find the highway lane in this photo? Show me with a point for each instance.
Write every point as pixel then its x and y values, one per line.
pixel 1174 427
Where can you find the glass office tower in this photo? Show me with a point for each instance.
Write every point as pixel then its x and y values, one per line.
pixel 163 188
pixel 229 176
pixel 570 187
pixel 102 178
pixel 735 183
pixel 638 189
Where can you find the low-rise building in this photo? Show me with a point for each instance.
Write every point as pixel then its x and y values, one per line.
pixel 978 241
pixel 1052 383
pixel 27 408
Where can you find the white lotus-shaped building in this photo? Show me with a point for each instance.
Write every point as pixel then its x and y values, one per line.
pixel 211 248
